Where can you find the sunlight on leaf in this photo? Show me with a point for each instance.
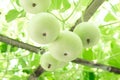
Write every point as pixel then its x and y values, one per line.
pixel 11 15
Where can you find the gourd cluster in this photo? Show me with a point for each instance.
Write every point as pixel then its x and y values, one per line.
pixel 63 46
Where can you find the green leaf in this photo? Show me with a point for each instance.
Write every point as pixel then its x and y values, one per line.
pixel 17 2
pixel 108 32
pixel 88 54
pixel 22 14
pixel 115 7
pixel 3 47
pixel 55 4
pixel 114 60
pixel 28 71
pixel 60 5
pixel 11 15
pixel 107 76
pixel 85 2
pixel 35 60
pixel 13 49
pixel 109 17
pixel 115 47
pixel 66 5
pixel 14 78
pixel 22 61
pixel 89 75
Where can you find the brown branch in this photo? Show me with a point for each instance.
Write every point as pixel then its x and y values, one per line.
pixel 88 13
pixel 36 73
pixel 39 69
pixel 97 65
pixel 25 46
pixel 22 45
pixel 115 70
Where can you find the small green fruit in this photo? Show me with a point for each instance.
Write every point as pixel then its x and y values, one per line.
pixel 44 28
pixel 67 47
pixel 49 63
pixel 88 32
pixel 35 6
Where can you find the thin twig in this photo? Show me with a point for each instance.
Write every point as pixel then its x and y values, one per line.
pixel 88 13
pixel 111 23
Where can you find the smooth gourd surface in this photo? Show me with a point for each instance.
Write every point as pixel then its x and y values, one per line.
pixel 67 47
pixel 88 32
pixel 35 6
pixel 43 28
pixel 49 63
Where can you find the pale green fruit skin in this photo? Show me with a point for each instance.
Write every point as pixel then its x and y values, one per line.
pixel 47 59
pixel 41 5
pixel 44 23
pixel 67 42
pixel 88 30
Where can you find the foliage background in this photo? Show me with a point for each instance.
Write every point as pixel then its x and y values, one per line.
pixel 18 64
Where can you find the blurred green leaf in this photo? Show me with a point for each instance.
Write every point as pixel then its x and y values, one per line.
pixel 114 60
pixel 17 2
pixel 115 7
pixel 107 76
pixel 22 14
pixel 109 17
pixel 28 71
pixel 15 78
pixel 88 54
pixel 11 15
pixel 89 75
pixel 61 5
pixel 66 5
pixel 115 47
pixel 13 49
pixel 35 60
pixel 22 61
pixel 3 47
pixel 85 2
pixel 107 30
